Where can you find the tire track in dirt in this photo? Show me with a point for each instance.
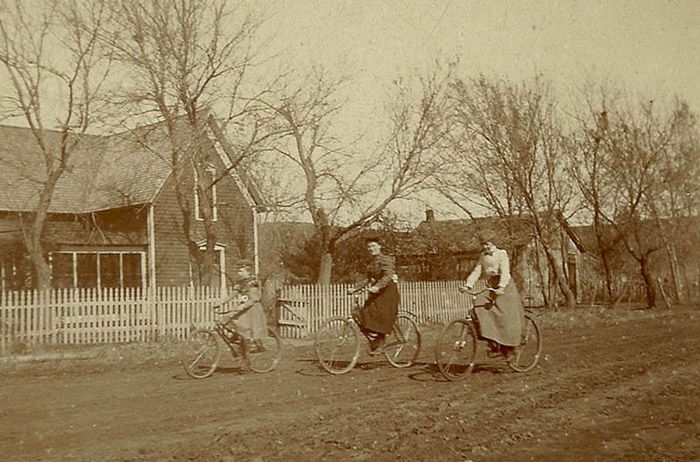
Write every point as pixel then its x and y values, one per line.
pixel 299 412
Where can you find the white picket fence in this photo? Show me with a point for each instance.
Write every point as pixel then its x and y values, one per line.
pixel 302 308
pixel 90 316
pixel 82 316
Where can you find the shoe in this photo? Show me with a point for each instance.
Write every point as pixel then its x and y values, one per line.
pixel 508 353
pixel 376 346
pixel 377 351
pixel 233 337
pixel 257 346
pixel 494 349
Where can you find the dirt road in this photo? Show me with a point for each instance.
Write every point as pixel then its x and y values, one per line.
pixel 621 389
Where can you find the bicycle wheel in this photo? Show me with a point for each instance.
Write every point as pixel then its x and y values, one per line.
pixel 337 345
pixel 262 355
pixel 403 344
pixel 456 349
pixel 200 354
pixel 527 355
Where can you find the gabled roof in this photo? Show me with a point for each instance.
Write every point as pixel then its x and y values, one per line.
pixel 229 157
pixel 462 236
pixel 688 227
pixel 104 172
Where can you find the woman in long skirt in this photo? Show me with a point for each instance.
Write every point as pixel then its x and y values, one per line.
pixel 501 318
pixel 378 314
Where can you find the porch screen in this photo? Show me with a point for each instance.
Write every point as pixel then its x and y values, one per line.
pixel 109 270
pixel 96 269
pixel 131 270
pixel 86 269
pixel 62 270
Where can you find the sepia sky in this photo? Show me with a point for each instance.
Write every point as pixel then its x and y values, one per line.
pixel 647 46
pixel 650 48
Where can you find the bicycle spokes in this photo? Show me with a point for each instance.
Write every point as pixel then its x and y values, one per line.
pixel 405 347
pixel 456 349
pixel 527 354
pixel 337 345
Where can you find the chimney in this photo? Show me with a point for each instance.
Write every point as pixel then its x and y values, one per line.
pixel 429 215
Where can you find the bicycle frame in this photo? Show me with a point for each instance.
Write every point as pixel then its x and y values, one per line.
pixel 455 358
pixel 260 354
pixel 398 335
pixel 229 336
pixel 339 338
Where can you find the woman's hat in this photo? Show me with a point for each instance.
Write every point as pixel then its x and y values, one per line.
pixel 485 236
pixel 372 236
pixel 243 263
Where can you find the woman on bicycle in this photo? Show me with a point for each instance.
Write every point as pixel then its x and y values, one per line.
pixel 502 320
pixel 248 317
pixel 378 314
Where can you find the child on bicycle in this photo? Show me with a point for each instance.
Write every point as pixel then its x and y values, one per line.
pixel 248 317
pixel 500 322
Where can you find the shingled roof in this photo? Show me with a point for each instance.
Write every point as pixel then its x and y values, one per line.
pixel 104 172
pixel 463 236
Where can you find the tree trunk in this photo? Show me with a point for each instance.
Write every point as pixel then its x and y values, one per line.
pixel 42 271
pixel 543 283
pixel 675 273
pixel 560 279
pixel 34 242
pixel 608 276
pixel 325 270
pixel 648 281
pixel 604 256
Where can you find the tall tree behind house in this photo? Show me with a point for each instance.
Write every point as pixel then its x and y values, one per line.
pixel 56 67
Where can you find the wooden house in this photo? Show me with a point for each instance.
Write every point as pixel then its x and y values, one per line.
pixel 114 220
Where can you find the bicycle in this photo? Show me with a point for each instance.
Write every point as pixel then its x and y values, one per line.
pixel 337 342
pixel 201 352
pixel 457 344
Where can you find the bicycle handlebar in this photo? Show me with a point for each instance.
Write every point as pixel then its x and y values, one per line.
pixel 357 292
pixel 217 310
pixel 474 293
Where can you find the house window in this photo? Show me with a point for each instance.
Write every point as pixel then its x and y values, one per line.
pixel 199 202
pixel 97 269
pixel 110 270
pixel 218 270
pixel 132 270
pixel 62 270
pixel 86 270
pixel 15 272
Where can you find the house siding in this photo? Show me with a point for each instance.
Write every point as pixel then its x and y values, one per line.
pixel 233 229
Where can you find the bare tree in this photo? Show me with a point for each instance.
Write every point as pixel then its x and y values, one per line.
pixel 344 190
pixel 646 149
pixel 588 169
pixel 186 61
pixel 507 157
pixel 55 70
pixel 675 199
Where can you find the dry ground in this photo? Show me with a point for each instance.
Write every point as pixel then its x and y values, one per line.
pixel 614 385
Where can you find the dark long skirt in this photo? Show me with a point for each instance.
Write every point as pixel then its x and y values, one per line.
pixel 379 311
pixel 502 320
